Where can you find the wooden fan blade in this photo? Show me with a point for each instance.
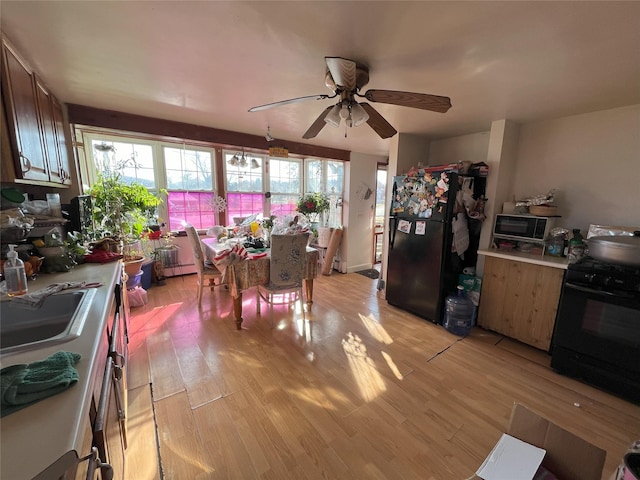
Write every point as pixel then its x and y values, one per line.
pixel 424 101
pixel 291 100
pixel 343 71
pixel 378 123
pixel 318 125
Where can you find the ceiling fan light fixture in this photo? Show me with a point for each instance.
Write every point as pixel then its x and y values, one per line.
pixel 333 117
pixel 358 115
pixel 344 111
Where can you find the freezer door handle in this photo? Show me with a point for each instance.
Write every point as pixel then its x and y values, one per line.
pixel 392 231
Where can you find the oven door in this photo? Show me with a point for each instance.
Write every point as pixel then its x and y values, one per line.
pixel 597 337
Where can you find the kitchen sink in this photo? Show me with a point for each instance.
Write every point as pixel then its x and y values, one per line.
pixel 59 319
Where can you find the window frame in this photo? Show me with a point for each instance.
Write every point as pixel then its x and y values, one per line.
pixel 219 166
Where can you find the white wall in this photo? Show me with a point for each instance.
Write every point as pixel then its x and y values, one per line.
pixel 592 159
pixel 472 148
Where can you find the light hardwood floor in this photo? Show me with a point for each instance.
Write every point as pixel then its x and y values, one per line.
pixel 360 390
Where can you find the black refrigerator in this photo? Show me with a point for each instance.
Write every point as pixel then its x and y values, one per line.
pixel 422 269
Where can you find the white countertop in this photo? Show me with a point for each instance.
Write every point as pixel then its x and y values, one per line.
pixel 544 260
pixel 36 436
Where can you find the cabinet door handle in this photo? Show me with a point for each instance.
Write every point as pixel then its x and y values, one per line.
pixel 95 463
pixel 25 162
pixel 118 374
pixel 119 361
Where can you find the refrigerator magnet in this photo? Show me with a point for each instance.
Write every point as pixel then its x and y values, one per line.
pixel 404 226
pixel 421 227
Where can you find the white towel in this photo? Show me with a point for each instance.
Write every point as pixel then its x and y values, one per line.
pixel 460 234
pixel 35 299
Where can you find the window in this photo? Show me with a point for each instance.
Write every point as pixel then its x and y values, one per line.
pixel 189 180
pixel 188 169
pixel 254 183
pixel 133 160
pixel 327 176
pixel 244 184
pixel 190 207
pixel 285 185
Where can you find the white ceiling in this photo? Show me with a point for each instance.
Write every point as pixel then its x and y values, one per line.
pixel 208 62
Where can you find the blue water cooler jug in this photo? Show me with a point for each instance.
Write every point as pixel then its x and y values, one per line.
pixel 458 313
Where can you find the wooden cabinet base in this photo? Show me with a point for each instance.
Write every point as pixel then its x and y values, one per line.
pixel 520 300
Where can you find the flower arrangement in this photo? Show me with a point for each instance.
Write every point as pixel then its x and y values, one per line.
pixel 313 203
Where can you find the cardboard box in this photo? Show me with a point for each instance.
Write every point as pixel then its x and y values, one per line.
pixel 568 456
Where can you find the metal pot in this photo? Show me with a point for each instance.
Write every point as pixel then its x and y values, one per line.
pixel 618 249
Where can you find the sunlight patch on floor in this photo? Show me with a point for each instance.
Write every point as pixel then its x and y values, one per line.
pixel 392 366
pixel 313 396
pixel 376 330
pixel 303 329
pixel 363 368
pixel 153 319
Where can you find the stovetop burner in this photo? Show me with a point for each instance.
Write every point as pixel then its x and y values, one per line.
pixel 589 271
pixel 591 264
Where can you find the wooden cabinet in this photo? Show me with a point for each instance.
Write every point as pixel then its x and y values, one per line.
pixel 53 135
pixel 34 125
pixel 23 118
pixel 520 300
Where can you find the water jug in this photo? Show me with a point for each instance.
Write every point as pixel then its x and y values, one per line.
pixel 458 313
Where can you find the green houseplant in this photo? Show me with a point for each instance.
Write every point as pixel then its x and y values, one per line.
pixel 121 210
pixel 313 205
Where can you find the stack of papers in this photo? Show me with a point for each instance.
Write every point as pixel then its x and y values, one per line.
pixel 511 459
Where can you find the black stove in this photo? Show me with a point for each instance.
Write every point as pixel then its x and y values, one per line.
pixel 608 276
pixel 597 329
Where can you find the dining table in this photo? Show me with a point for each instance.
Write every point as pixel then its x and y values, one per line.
pixel 241 273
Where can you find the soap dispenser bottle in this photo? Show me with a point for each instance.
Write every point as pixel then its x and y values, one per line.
pixel 16 278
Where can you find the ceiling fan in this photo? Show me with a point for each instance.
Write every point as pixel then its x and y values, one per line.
pixel 345 78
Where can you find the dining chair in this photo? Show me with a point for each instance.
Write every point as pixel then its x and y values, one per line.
pixel 286 272
pixel 204 267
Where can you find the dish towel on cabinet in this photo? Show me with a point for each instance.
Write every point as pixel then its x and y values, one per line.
pixel 25 384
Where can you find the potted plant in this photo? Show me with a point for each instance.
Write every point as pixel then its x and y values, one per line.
pixel 313 205
pixel 121 210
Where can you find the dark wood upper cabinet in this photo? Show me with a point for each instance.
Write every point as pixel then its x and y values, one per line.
pixel 34 125
pixel 61 142
pixel 20 100
pixel 53 135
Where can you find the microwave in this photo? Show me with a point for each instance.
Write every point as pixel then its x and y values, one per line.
pixel 523 227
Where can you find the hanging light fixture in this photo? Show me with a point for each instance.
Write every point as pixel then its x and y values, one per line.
pixel 243 160
pixel 268 136
pixel 333 117
pixel 254 163
pixel 351 112
pixel 358 115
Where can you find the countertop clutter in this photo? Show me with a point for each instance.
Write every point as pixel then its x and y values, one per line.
pixel 38 436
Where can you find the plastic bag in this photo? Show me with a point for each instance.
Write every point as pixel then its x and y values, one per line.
pixel 292 224
pixel 137 297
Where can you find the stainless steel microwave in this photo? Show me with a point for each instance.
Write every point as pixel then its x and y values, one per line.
pixel 523 227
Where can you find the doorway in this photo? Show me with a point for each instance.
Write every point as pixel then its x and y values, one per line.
pixel 381 211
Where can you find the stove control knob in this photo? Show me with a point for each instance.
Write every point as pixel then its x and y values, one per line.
pixel 606 281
